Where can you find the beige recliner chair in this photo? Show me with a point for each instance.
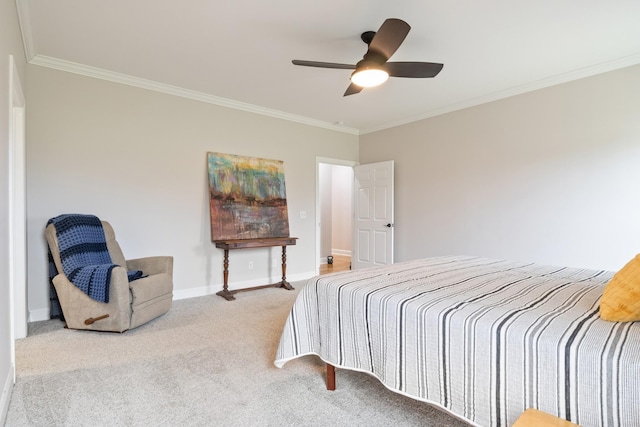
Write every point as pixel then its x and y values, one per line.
pixel 130 303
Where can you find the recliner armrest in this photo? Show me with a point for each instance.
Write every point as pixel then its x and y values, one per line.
pixel 78 306
pixel 152 265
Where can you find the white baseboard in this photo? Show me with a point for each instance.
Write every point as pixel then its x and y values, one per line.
pixel 6 395
pixel 343 252
pixel 37 315
pixel 43 314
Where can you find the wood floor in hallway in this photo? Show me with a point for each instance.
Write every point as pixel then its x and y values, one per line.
pixel 340 263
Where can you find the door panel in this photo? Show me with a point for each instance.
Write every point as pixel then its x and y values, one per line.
pixel 362 252
pixel 381 247
pixel 373 216
pixel 381 208
pixel 363 197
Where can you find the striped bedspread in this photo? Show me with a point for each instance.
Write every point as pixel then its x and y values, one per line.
pixel 483 338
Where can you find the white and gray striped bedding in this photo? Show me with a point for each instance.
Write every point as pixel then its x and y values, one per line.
pixel 483 338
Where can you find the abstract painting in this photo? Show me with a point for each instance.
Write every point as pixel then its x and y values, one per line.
pixel 247 197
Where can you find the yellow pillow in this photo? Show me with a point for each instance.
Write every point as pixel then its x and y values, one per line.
pixel 621 297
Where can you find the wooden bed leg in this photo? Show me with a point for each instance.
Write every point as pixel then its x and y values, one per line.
pixel 331 377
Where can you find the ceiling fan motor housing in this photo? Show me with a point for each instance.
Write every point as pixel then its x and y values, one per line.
pixel 367 36
pixel 367 64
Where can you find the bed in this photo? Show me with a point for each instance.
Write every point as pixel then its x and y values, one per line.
pixel 484 339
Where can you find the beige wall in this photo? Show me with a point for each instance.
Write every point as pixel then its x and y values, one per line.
pixel 10 44
pixel 548 176
pixel 551 176
pixel 137 158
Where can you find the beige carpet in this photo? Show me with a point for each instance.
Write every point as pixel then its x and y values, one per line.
pixel 208 362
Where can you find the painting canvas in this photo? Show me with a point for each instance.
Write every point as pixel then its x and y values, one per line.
pixel 247 197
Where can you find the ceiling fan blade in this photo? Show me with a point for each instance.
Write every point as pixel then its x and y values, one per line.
pixel 413 69
pixel 352 89
pixel 323 64
pixel 389 37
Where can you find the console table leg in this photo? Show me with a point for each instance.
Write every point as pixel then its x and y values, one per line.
pixel 224 293
pixel 284 283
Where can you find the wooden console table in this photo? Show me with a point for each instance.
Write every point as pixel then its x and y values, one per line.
pixel 228 245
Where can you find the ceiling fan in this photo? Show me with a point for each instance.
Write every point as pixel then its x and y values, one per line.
pixel 374 69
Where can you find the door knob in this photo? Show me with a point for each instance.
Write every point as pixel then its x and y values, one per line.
pixel 388 225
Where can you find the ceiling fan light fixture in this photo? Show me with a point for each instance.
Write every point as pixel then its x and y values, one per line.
pixel 369 76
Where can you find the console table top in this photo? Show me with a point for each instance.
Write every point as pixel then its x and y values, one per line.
pixel 255 243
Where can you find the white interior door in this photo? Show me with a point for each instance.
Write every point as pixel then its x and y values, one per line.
pixel 373 215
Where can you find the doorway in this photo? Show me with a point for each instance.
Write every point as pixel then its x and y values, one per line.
pixel 334 213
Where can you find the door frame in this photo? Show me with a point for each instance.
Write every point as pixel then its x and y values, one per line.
pixel 17 210
pixel 330 161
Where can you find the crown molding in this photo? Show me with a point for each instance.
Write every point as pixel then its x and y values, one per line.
pixel 85 70
pixel 24 20
pixel 581 73
pixel 98 73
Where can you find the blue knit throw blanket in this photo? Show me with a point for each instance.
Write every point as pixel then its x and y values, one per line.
pixel 84 257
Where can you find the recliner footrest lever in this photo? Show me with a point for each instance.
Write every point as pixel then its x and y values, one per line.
pixel 91 320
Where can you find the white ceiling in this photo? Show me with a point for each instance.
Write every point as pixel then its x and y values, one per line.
pixel 238 53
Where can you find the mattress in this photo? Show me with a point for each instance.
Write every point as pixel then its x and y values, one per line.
pixel 484 339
